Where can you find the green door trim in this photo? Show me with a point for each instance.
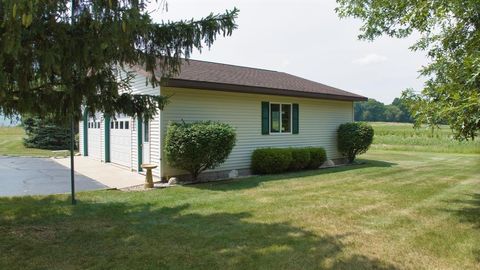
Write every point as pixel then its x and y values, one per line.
pixel 140 142
pixel 85 132
pixel 107 138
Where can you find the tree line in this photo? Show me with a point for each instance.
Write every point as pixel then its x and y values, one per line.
pixel 376 111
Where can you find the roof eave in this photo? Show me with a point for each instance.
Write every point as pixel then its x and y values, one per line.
pixel 181 83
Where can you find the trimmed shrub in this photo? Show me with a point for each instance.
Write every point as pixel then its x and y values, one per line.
pixel 45 134
pixel 317 157
pixel 271 160
pixel 198 146
pixel 300 158
pixel 354 139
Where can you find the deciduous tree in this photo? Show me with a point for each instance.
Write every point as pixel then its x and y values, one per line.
pixel 450 33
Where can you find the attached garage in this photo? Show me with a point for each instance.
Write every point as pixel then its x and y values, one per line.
pixel 266 108
pixel 120 141
pixel 94 138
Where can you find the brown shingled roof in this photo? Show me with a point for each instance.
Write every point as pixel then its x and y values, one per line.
pixel 224 77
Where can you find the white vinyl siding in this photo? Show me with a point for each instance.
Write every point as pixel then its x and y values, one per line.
pixel 318 121
pixel 139 86
pixel 155 143
pixel 134 144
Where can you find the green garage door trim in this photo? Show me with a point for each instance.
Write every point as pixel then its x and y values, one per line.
pixel 107 138
pixel 139 144
pixel 85 132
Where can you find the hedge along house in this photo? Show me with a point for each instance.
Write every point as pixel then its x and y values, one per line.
pixel 267 109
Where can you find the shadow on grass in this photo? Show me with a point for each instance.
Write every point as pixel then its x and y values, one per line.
pixel 48 233
pixel 477 255
pixel 251 182
pixel 467 210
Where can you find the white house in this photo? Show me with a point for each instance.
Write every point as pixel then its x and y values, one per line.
pixel 267 109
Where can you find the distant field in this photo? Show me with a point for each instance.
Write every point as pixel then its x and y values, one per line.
pixel 11 144
pixel 402 136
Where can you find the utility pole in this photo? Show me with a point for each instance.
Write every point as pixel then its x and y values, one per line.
pixel 72 154
pixel 72 133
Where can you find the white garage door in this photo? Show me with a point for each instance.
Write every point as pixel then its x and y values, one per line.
pixel 120 140
pixel 94 139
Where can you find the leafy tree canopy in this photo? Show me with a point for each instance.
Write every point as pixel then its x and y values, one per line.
pixel 53 62
pixel 373 110
pixel 450 33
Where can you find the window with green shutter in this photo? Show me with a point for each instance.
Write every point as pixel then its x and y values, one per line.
pixel 278 118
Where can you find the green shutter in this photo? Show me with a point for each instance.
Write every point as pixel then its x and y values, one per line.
pixel 85 132
pixel 265 117
pixel 295 119
pixel 107 138
pixel 140 143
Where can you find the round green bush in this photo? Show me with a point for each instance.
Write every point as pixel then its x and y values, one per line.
pixel 198 146
pixel 317 157
pixel 300 158
pixel 271 160
pixel 354 139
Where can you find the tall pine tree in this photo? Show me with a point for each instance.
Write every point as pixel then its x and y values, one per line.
pixel 53 62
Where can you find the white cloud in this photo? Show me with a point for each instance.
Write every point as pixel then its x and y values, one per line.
pixel 371 58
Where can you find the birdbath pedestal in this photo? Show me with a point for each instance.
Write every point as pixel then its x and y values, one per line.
pixel 148 177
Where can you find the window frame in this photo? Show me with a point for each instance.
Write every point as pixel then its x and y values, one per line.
pixel 281 123
pixel 146 131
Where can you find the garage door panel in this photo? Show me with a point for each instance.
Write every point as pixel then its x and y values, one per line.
pixel 94 139
pixel 120 141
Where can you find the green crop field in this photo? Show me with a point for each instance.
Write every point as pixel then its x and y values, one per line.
pixel 402 136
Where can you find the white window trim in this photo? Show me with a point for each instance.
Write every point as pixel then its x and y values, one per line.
pixel 270 118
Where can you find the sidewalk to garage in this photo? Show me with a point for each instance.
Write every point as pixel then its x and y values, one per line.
pixel 108 174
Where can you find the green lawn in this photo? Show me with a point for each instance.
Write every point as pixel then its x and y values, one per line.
pixel 11 144
pixel 418 208
pixel 399 210
pixel 402 136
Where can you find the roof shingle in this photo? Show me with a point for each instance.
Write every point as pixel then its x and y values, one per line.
pixel 224 77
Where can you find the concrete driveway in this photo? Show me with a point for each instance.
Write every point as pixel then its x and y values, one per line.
pixel 109 174
pixel 21 176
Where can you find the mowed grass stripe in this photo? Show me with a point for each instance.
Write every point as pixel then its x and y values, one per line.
pixel 398 210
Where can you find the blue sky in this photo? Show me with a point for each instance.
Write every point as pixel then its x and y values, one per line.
pixel 7 122
pixel 307 39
